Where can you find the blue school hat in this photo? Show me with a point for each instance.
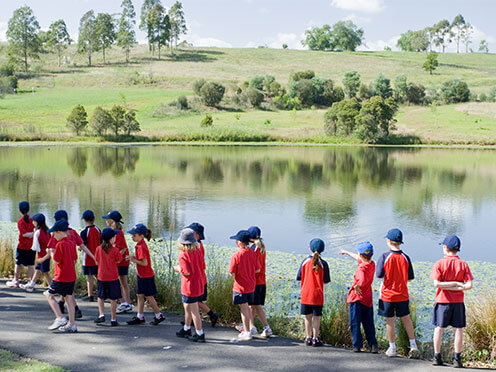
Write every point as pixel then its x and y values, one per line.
pixel 24 207
pixel 365 248
pixel 255 232
pixel 242 235
pixel 113 215
pixel 187 236
pixel 39 218
pixel 139 229
pixel 88 215
pixel 395 235
pixel 61 215
pixel 317 245
pixel 108 233
pixel 197 228
pixel 452 242
pixel 60 225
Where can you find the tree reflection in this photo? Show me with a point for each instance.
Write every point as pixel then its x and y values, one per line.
pixel 77 159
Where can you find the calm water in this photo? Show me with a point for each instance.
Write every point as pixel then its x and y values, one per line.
pixel 342 194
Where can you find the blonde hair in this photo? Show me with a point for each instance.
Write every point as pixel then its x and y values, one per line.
pixel 187 247
pixel 316 261
pixel 260 244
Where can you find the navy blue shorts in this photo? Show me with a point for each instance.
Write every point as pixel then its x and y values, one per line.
pixel 43 267
pixel 146 286
pixel 242 298
pixel 449 315
pixel 61 288
pixel 190 300
pixel 316 310
pixel 109 290
pixel 25 257
pixel 259 295
pixel 391 309
pixel 123 270
pixel 203 297
pixel 90 270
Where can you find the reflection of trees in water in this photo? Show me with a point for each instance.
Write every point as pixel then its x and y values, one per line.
pixel 77 159
pixel 209 171
pixel 117 161
pixel 329 212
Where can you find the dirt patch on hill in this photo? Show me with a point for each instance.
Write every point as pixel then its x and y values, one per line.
pixel 479 108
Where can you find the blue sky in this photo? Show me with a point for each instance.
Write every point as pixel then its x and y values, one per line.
pixel 250 23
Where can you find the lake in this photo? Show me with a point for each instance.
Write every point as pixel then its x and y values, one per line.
pixel 343 195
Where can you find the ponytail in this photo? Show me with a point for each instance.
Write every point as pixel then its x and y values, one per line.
pixel 106 246
pixel 43 226
pixel 148 235
pixel 316 261
pixel 25 216
pixel 260 245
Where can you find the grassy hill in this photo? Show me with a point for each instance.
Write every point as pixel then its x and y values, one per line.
pixel 48 93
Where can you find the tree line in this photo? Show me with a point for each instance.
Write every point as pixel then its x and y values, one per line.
pixel 97 32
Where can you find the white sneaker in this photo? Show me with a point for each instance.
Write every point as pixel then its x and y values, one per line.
pixel 57 323
pixel 27 287
pixel 68 328
pixel 12 284
pixel 414 353
pixel 390 352
pixel 266 333
pixel 244 336
pixel 254 331
pixel 240 328
pixel 123 309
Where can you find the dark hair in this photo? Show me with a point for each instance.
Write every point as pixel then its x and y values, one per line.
pixel 454 250
pixel 148 235
pixel 25 216
pixel 106 246
pixel 316 261
pixel 43 226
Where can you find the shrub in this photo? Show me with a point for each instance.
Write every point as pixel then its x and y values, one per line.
pixel 7 261
pixel 365 92
pixel 400 87
pixel 455 91
pixel 351 83
pixel 375 119
pixel 100 121
pixel 212 93
pixel 255 97
pixel 331 93
pixel 207 121
pixel 415 94
pixel 182 103
pixel 302 75
pixel 131 124
pixel 77 120
pixel 341 117
pixel 257 82
pixel 304 90
pixel 268 80
pixel 285 102
pixel 275 89
pixel 483 97
pixel 7 69
pixel 481 326
pixel 197 85
pixel 492 94
pixel 382 87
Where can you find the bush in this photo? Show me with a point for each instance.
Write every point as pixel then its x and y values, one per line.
pixel 207 121
pixel 415 94
pixel 341 117
pixel 285 102
pixel 77 120
pixel 117 112
pixel 275 89
pixel 7 261
pixel 455 91
pixel 492 94
pixel 212 93
pixel 481 327
pixel 101 121
pixel 351 83
pixel 6 70
pixel 268 80
pixel 382 87
pixel 365 92
pixel 197 85
pixel 131 124
pixel 182 103
pixel 257 82
pixel 302 75
pixel 255 97
pixel 375 119
pixel 400 87
pixel 331 94
pixel 304 90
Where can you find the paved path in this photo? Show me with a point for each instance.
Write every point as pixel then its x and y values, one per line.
pixel 24 318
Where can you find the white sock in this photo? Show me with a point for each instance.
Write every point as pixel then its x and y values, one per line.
pixel 113 320
pixel 199 332
pixel 31 283
pixel 140 316
pixel 413 344
pixel 254 329
pixel 158 315
pixel 186 328
pixel 392 345
pixel 102 316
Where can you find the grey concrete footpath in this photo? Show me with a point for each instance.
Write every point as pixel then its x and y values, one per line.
pixel 24 318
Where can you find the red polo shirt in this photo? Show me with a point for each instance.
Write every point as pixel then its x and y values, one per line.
pixel 91 238
pixel 120 243
pixel 204 275
pixel 395 267
pixel 25 227
pixel 143 252
pixel 192 285
pixel 312 282
pixel 43 240
pixel 107 263
pixel 364 276
pixel 243 265
pixel 260 276
pixel 65 270
pixel 450 269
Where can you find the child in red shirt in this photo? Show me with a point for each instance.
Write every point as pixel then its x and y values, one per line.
pixel 107 257
pixel 313 274
pixel 451 277
pixel 91 238
pixel 64 257
pixel 360 297
pixel 114 221
pixel 243 267
pixel 40 242
pixel 146 277
pixel 396 270
pixel 191 266
pixel 24 255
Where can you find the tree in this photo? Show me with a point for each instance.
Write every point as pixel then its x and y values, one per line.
pixel 284 46
pixel 467 31
pixel 443 34
pixel 22 34
pixel 431 62
pixel 346 35
pixel 375 119
pixel 415 94
pixel 413 41
pixel 341 117
pixel 382 87
pixel 77 119
pixel 351 83
pixel 458 26
pixel 455 91
pixel 131 124
pixel 178 23
pixel 87 41
pixel 104 32
pixel 100 121
pixel 483 46
pixel 117 112
pixel 145 24
pixel 212 93
pixel 257 82
pixel 304 90
pixel 159 23
pixel 126 36
pixel 400 87
pixel 318 38
pixel 58 37
pixel 255 97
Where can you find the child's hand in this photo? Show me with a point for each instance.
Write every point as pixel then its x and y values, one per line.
pixel 128 258
pixel 358 290
pixel 342 251
pixel 177 269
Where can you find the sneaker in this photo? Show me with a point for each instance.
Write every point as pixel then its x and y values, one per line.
pixel 266 333
pixel 414 353
pixel 316 342
pixel 124 309
pixel 77 313
pixel 240 328
pixel 245 336
pixel 113 323
pixel 27 287
pixel 374 349
pixel 390 352
pixel 438 361
pixel 254 331
pixel 57 323
pixel 12 284
pixel 157 321
pixel 68 328
pixel 213 319
pixel 100 319
pixel 357 350
pixel 308 341
pixel 182 333
pixel 62 307
pixel 135 320
pixel 457 363
pixel 196 338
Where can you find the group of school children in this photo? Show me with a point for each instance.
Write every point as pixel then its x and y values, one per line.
pixel 106 257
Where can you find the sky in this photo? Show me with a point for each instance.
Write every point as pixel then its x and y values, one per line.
pixel 251 23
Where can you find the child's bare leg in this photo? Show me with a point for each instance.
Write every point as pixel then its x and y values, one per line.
pixel 90 284
pixel 246 316
pixel 52 302
pixel 71 304
pixel 141 303
pixel 316 326
pixel 17 272
pixel 390 328
pixel 204 307
pixel 195 313
pixel 101 306
pixel 407 322
pixel 35 276
pixel 30 271
pixel 253 312
pixel 113 309
pixel 48 278
pixel 308 325
pixel 153 304
pixel 458 340
pixel 261 315
pixel 126 297
pixel 438 338
pixel 187 315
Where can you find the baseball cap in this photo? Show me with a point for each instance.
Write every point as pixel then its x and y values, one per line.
pixel 317 245
pixel 109 233
pixel 60 225
pixel 88 215
pixel 138 229
pixel 255 232
pixel 242 235
pixel 366 248
pixel 197 228
pixel 187 236
pixel 38 217
pixel 395 235
pixel 24 207
pixel 452 242
pixel 113 215
pixel 60 215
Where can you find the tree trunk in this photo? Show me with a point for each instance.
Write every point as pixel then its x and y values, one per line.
pixel 103 48
pixel 89 55
pixel 159 50
pixel 58 49
pixel 153 49
pixel 25 60
pixel 127 55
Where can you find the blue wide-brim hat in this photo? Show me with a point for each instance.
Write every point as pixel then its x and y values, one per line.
pixel 139 229
pixel 187 236
pixel 317 245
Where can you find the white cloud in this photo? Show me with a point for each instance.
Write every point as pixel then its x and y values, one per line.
pixel 3 31
pixel 357 19
pixel 378 45
pixel 292 40
pixel 367 6
pixel 207 42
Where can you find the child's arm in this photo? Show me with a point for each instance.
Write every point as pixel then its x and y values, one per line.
pixel 85 249
pixel 28 235
pixel 449 286
pixel 355 256
pixel 467 285
pixel 51 251
pixel 143 262
pixel 44 258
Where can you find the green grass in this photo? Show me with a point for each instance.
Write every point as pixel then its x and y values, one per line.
pixel 15 363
